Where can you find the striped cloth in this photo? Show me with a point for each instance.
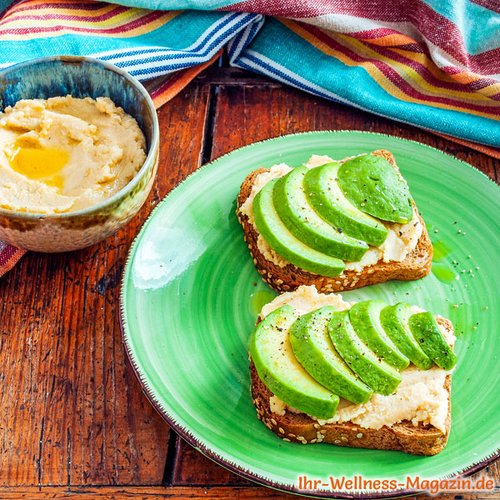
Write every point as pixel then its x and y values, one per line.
pixel 431 63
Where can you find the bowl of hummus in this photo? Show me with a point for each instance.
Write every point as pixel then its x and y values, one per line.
pixel 79 141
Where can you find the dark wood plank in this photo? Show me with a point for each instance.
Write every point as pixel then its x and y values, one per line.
pixel 72 409
pixel 252 113
pixel 249 113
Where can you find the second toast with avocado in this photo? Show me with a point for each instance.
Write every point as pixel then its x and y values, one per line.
pixel 365 374
pixel 338 225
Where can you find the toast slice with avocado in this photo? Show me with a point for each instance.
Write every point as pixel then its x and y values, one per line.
pixel 364 375
pixel 338 225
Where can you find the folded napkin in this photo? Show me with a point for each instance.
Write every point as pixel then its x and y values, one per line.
pixel 432 63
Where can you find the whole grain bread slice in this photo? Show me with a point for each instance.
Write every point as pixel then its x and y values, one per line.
pixel 417 263
pixel 301 428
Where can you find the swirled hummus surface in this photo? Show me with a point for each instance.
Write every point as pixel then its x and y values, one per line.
pixel 64 154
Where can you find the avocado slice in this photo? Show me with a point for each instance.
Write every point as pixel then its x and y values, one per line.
pixel 306 225
pixel 313 348
pixel 374 186
pixel 324 194
pixel 426 331
pixel 377 374
pixel 365 319
pixel 394 320
pixel 281 372
pixel 284 243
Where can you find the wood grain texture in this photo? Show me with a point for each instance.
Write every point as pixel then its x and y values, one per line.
pixel 151 493
pixel 72 409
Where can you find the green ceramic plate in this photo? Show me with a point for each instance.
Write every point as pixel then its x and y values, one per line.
pixel 191 295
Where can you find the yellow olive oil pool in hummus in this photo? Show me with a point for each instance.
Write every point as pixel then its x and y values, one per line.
pixel 40 164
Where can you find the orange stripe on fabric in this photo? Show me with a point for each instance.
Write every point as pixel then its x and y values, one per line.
pixel 178 81
pixel 33 10
pixel 405 72
pixel 415 79
pixel 44 19
pixel 466 78
pixel 388 40
pixel 372 70
pixel 50 17
pixel 463 78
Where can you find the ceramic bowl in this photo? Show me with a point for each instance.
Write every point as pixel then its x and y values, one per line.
pixel 80 77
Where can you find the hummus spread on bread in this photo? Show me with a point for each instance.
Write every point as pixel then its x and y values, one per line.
pixel 420 398
pixel 65 154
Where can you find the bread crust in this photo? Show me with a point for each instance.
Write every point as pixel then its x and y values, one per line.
pixel 416 265
pixel 301 428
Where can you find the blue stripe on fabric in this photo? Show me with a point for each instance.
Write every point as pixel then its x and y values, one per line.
pixel 201 43
pixel 176 58
pixel 355 85
pixel 274 71
pixel 165 38
pixel 240 41
pixel 480 27
pixel 203 50
pixel 158 54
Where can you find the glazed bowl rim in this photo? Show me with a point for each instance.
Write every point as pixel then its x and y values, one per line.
pixel 148 162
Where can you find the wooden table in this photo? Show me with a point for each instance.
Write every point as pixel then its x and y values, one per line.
pixel 74 420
